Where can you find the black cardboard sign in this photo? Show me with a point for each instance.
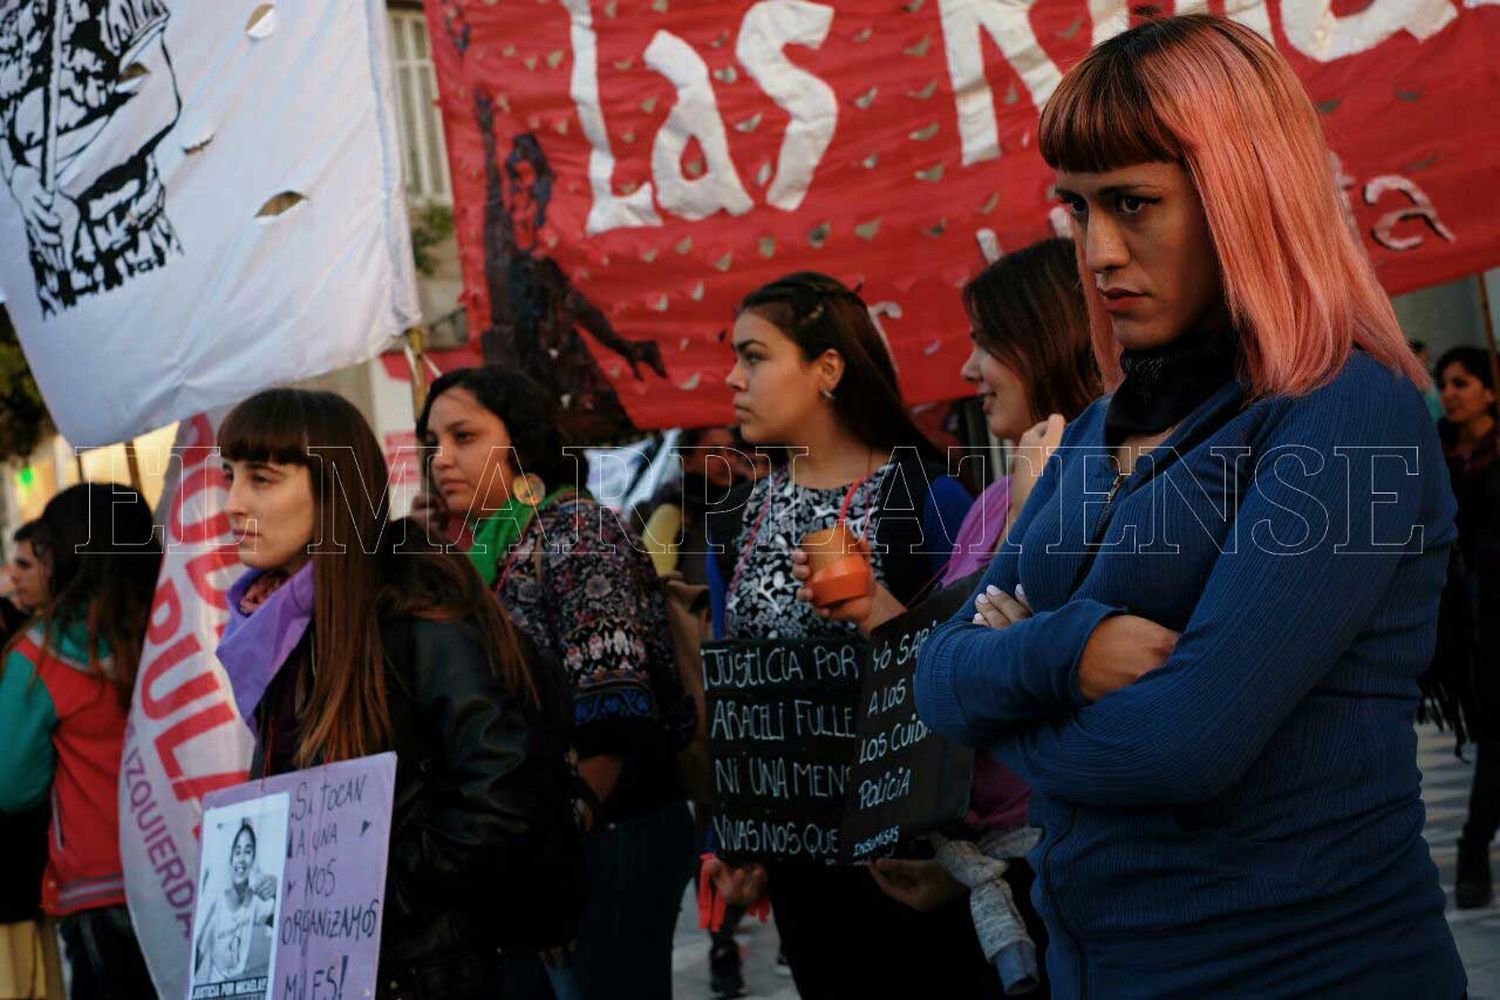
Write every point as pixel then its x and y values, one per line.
pixel 907 780
pixel 818 754
pixel 781 732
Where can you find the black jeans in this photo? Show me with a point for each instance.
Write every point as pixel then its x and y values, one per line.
pixel 455 976
pixel 1484 797
pixel 844 938
pixel 638 870
pixel 104 957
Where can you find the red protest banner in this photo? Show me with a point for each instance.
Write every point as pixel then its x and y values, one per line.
pixel 626 170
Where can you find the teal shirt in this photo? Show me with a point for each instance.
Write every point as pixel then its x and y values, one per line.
pixel 1434 403
pixel 28 718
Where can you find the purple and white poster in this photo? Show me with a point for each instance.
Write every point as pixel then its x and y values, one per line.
pixel 291 889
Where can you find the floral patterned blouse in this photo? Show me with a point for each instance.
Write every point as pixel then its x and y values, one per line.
pixel 908 510
pixel 762 595
pixel 586 593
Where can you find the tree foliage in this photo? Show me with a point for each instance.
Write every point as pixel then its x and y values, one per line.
pixel 24 420
pixel 431 226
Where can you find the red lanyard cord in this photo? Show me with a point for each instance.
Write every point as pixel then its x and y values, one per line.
pixel 760 519
pixel 849 497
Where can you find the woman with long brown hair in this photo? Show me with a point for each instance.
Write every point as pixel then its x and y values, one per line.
pixel 564 567
pixel 352 635
pixel 815 382
pixel 64 694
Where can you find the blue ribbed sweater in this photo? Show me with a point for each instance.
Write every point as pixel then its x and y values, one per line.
pixel 1246 820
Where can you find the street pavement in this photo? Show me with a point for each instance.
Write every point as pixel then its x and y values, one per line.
pixel 1445 789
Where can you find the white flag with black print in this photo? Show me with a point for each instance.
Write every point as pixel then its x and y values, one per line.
pixel 202 199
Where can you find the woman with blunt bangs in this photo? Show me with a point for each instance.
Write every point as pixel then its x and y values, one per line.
pixel 351 636
pixel 1201 639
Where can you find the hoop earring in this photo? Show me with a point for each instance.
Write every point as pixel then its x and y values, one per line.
pixel 528 489
pixel 826 393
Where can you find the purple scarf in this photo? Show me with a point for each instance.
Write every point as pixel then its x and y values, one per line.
pixel 255 645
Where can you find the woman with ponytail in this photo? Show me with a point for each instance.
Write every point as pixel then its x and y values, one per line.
pixel 814 382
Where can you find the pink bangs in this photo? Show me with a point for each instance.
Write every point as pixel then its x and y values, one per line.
pixel 1210 94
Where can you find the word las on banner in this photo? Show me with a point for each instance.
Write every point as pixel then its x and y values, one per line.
pixel 625 171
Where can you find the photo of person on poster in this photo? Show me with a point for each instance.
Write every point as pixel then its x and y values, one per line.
pixel 234 940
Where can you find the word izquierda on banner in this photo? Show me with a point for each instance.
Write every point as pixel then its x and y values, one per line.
pixel 181 685
pixel 185 737
pixel 812 104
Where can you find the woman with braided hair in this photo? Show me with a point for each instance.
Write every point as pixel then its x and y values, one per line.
pixel 814 380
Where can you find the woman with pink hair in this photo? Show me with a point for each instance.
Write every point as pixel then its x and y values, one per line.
pixel 1200 642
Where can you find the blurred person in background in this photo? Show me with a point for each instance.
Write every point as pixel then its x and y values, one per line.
pixel 674 529
pixel 674 523
pixel 29 962
pixel 1464 683
pixel 65 689
pixel 28 571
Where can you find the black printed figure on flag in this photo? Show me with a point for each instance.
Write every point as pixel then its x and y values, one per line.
pixel 76 74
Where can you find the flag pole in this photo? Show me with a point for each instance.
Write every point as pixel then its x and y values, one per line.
pixel 1489 328
pixel 134 464
pixel 414 343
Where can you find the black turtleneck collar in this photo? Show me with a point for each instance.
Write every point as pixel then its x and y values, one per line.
pixel 1164 384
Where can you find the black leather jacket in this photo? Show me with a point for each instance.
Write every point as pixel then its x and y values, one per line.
pixel 484 849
